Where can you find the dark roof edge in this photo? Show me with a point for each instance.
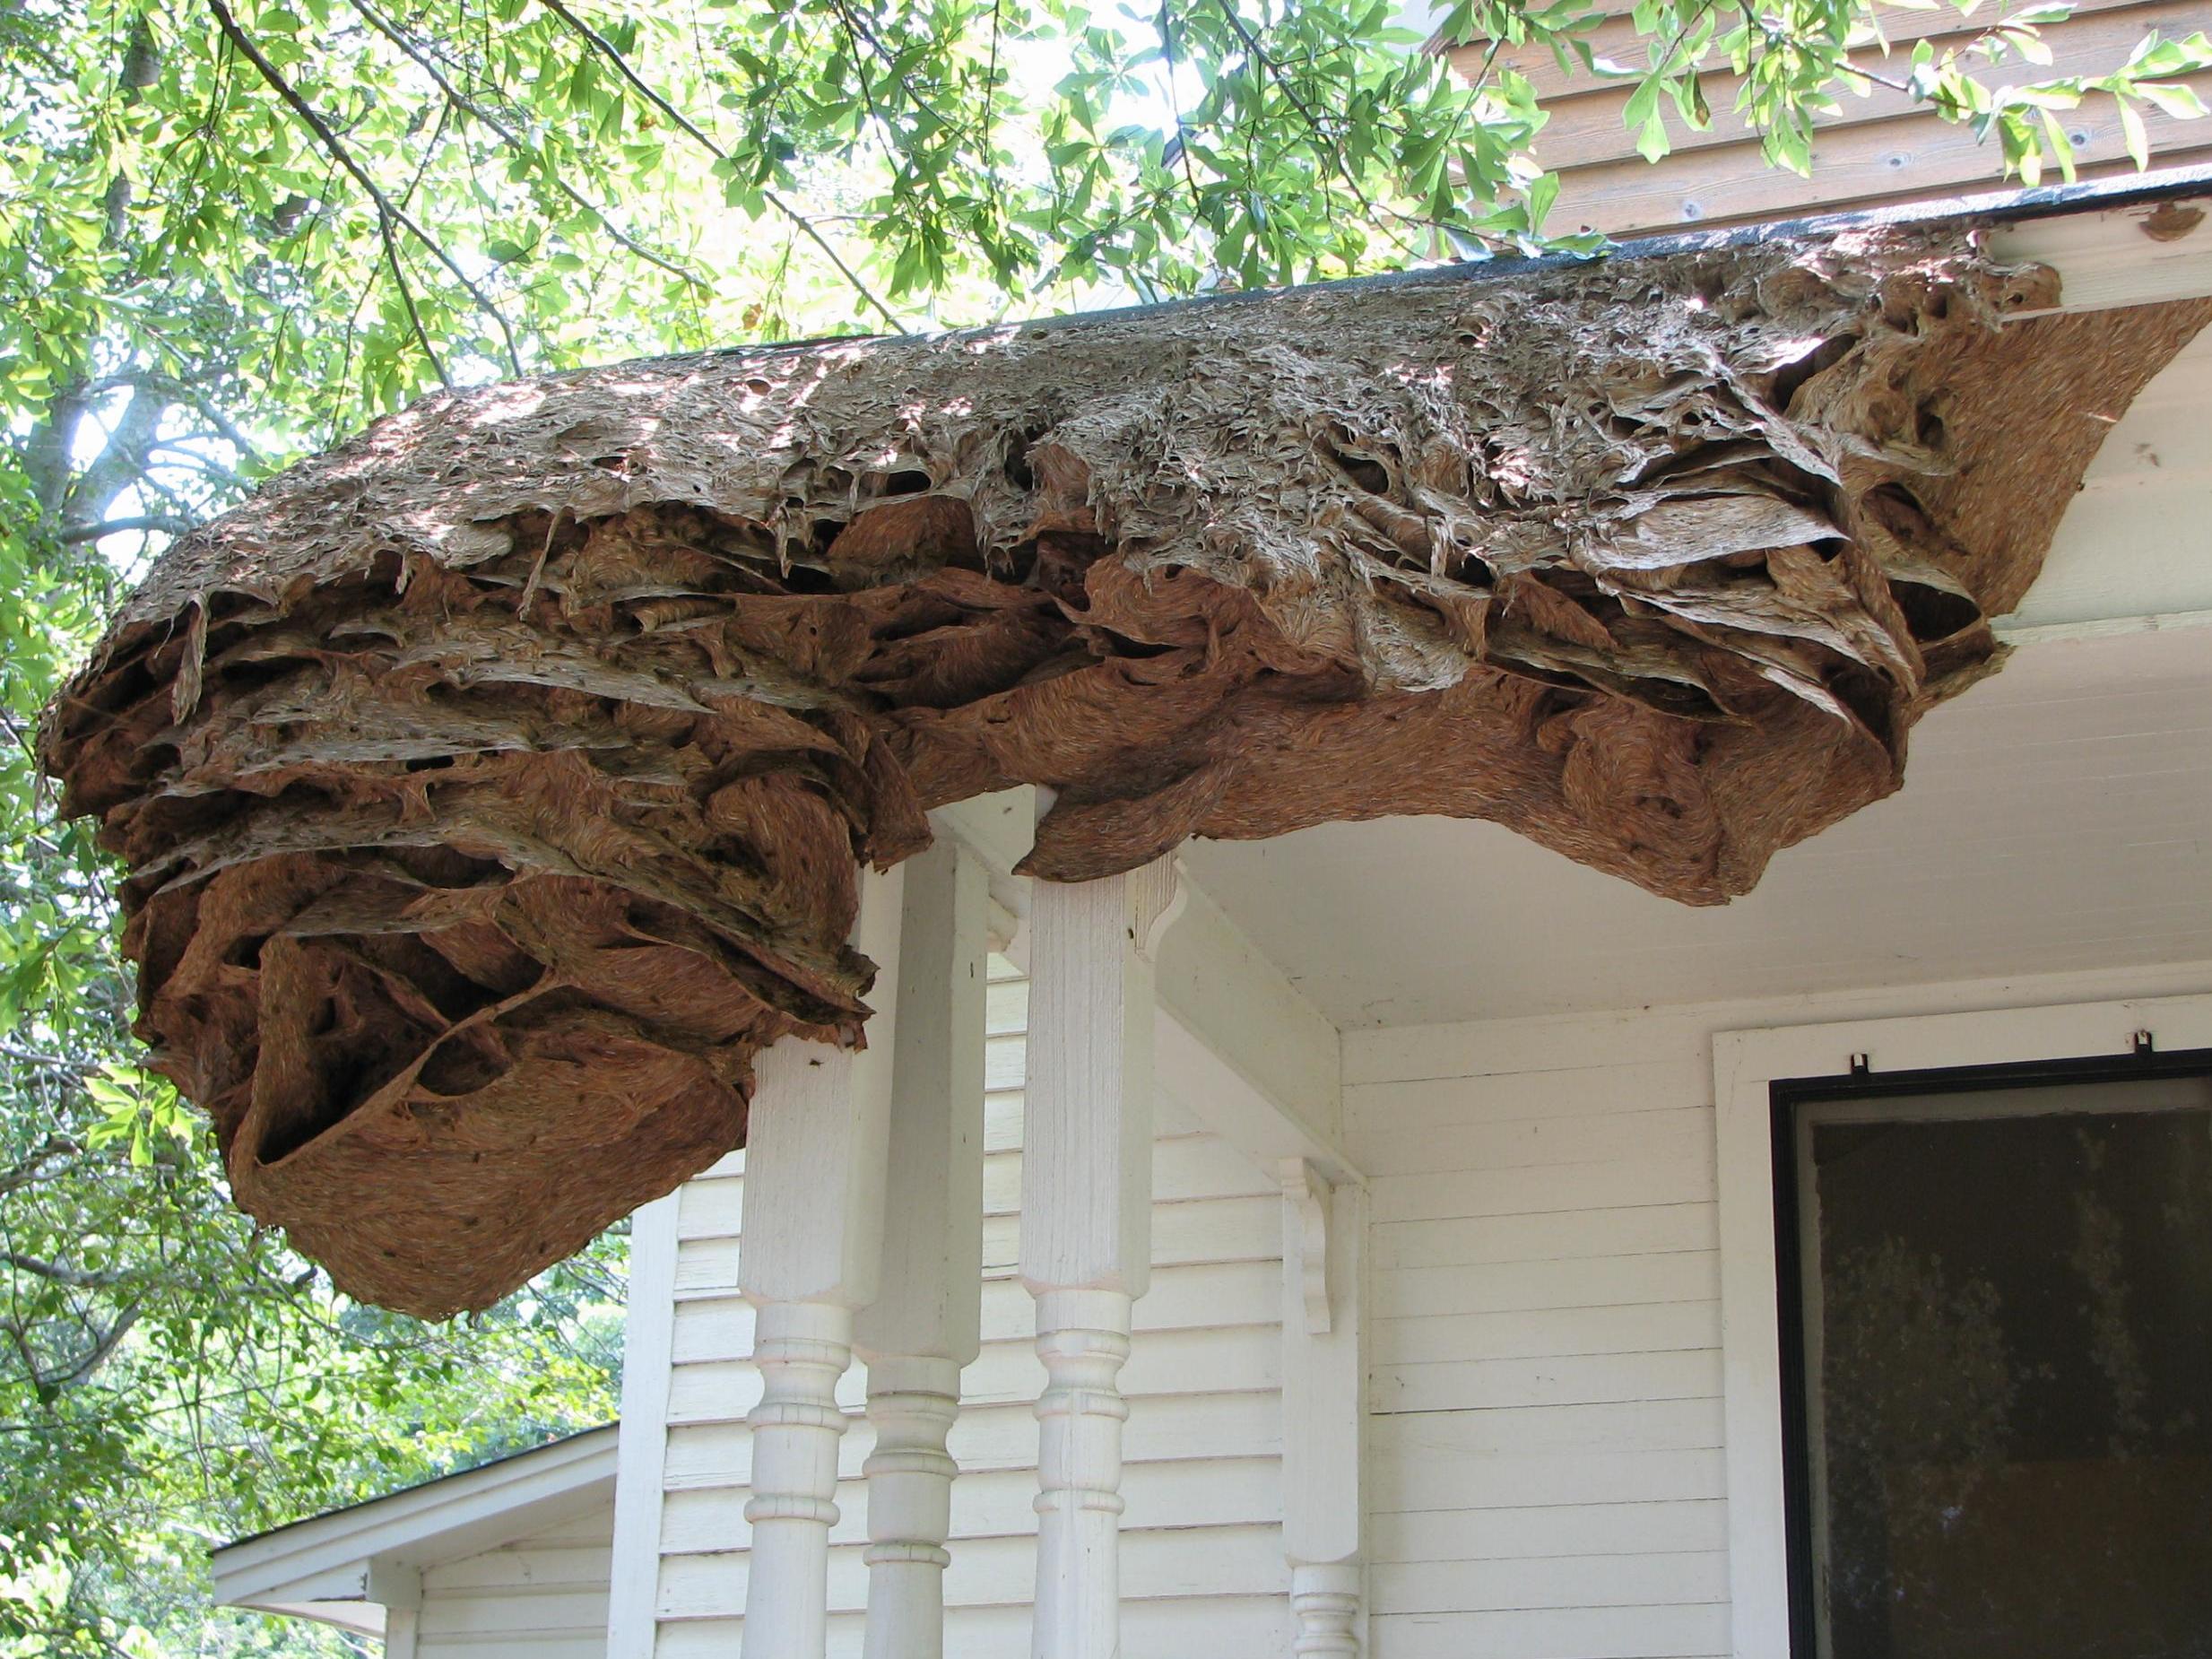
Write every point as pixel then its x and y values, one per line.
pixel 1993 207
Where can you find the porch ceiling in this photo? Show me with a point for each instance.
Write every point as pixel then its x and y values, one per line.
pixel 2056 817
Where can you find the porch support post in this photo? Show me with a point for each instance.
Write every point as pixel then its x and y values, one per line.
pixel 815 1162
pixel 924 1323
pixel 1325 1229
pixel 1087 1225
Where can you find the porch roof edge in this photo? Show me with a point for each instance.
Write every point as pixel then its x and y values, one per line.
pixel 1994 209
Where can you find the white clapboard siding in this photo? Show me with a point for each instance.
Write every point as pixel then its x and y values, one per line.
pixel 1222 1360
pixel 545 1595
pixel 1203 1573
pixel 1545 1453
pixel 1005 1436
pixel 1184 1167
pixel 1219 1627
pixel 1193 1296
pixel 1218 1229
pixel 996 1572
pixel 990 1504
pixel 1546 1439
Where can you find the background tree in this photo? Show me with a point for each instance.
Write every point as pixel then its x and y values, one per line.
pixel 231 231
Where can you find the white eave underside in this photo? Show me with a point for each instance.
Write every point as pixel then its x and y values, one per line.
pixel 2057 817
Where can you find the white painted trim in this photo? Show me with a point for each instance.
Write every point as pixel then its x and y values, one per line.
pixel 2114 257
pixel 1259 1064
pixel 1236 1042
pixel 1324 1410
pixel 648 1335
pixel 2099 627
pixel 1194 1073
pixel 345 1567
pixel 423 1521
pixel 1745 1063
pixel 1086 1246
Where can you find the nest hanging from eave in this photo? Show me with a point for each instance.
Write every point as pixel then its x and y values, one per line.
pixel 491 786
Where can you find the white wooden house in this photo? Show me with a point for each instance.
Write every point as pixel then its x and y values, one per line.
pixel 1492 1308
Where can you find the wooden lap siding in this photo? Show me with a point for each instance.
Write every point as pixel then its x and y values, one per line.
pixel 1874 149
pixel 544 1596
pixel 1545 1467
pixel 1204 1574
pixel 1546 1474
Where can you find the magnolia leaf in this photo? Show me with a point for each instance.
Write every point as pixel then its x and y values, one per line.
pixel 2132 130
pixel 2181 102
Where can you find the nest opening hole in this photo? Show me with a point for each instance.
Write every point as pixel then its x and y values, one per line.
pixel 1016 466
pixel 1791 377
pixel 1365 471
pixel 909 481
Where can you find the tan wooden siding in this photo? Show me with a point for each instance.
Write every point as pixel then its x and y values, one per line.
pixel 1875 151
pixel 1203 1573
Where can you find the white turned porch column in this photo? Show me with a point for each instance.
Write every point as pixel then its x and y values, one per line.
pixel 925 1325
pixel 1087 1227
pixel 1323 1507
pixel 815 1163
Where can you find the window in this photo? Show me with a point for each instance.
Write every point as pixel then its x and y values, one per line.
pixel 1996 1299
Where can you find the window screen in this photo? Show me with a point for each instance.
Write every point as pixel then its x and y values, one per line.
pixel 2006 1315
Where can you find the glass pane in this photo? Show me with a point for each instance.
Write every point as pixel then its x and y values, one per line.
pixel 2008 1328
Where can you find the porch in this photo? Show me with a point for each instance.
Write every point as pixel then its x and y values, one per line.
pixel 1365 1241
pixel 1454 1098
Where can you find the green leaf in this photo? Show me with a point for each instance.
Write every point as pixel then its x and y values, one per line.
pixel 2133 131
pixel 1543 190
pixel 2061 145
pixel 2181 102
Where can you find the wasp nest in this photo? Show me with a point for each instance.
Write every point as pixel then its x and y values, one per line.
pixel 492 787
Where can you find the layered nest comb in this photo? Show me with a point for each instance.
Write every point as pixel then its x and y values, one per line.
pixel 492 787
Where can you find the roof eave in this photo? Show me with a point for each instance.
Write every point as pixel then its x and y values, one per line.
pixel 345 1566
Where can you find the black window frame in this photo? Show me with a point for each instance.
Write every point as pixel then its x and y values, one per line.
pixel 1786 1097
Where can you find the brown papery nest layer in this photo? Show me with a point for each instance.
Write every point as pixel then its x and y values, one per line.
pixel 492 787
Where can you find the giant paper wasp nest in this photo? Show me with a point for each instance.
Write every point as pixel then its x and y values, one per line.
pixel 492 786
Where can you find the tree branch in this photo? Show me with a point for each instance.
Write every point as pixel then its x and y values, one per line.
pixel 184 455
pixel 166 522
pixel 52 443
pixel 45 1384
pixel 121 459
pixel 60 1273
pixel 1330 151
pixel 1174 105
pixel 606 50
pixel 407 302
pixel 857 30
pixel 468 106
pixel 191 398
pixel 27 1169
pixel 389 214
pixel 93 1358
